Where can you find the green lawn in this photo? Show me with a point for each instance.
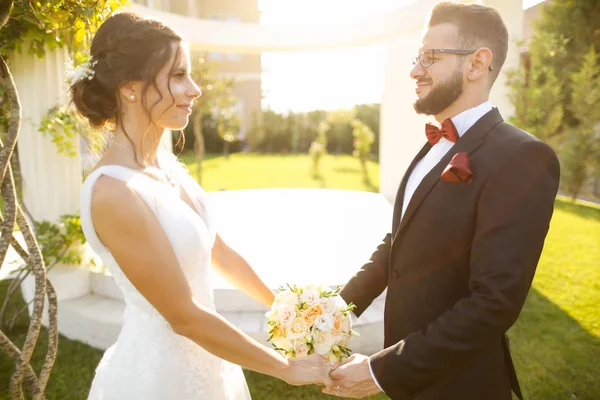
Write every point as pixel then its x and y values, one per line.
pixel 243 171
pixel 556 341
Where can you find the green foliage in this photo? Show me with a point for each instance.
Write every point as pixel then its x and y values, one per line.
pixel 553 90
pixel 340 128
pixel 582 145
pixel 363 140
pixel 62 125
pixel 318 148
pixel 272 132
pixel 59 242
pixel 46 25
pixel 4 112
pixel 218 100
pixel 537 93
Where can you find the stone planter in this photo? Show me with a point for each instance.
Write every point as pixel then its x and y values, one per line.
pixel 68 281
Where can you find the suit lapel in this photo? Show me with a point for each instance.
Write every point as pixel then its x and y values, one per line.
pixel 400 195
pixel 468 143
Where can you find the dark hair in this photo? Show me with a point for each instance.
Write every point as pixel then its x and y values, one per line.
pixel 478 26
pixel 125 48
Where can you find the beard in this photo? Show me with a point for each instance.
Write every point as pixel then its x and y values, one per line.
pixel 441 96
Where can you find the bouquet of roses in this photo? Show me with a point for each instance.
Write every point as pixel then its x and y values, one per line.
pixel 309 319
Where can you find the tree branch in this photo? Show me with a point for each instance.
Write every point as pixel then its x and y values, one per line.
pixel 10 91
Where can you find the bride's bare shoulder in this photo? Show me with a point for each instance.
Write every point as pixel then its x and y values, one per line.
pixel 113 200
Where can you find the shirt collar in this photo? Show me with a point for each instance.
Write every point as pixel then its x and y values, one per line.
pixel 466 119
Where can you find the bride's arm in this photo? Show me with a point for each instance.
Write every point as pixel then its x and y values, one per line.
pixel 233 267
pixel 129 229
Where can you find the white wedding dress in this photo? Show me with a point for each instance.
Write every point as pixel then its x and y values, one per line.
pixel 149 361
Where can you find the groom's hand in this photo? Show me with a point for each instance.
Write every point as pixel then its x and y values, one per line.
pixel 313 369
pixel 353 379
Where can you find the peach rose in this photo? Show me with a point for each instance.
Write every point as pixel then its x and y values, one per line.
pixel 298 329
pixel 310 314
pixel 337 326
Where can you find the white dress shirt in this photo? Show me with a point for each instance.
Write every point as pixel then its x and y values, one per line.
pixel 463 122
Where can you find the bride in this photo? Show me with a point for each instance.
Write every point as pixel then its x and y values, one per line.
pixel 152 225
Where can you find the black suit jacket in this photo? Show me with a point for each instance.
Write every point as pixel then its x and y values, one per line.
pixel 458 267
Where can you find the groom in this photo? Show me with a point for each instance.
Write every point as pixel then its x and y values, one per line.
pixel 470 219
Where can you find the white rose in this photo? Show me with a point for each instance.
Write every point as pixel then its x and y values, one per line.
pixel 287 298
pixel 301 349
pixel 323 342
pixel 328 304
pixel 346 324
pixel 344 340
pixel 286 315
pixel 340 304
pixel 298 329
pixel 310 296
pixel 324 322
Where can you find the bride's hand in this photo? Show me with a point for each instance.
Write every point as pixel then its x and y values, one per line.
pixel 313 369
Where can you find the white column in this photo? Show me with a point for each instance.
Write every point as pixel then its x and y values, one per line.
pixel 51 181
pixel 402 130
pixel 512 14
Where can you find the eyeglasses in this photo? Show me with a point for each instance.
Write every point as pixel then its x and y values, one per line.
pixel 427 58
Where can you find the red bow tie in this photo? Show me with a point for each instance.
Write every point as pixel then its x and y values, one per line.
pixel 448 131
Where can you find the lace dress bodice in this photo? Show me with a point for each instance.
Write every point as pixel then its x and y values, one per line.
pixel 149 360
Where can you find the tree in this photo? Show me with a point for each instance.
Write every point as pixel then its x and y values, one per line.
pixel 547 102
pixel 582 145
pixel 363 139
pixel 318 148
pixel 538 94
pixel 256 132
pixel 43 25
pixel 339 122
pixel 217 99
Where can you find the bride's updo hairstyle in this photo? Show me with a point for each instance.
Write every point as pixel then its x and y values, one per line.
pixel 125 48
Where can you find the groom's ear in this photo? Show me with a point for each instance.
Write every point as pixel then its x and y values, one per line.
pixel 480 64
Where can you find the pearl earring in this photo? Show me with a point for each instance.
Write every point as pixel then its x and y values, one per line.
pixel 132 97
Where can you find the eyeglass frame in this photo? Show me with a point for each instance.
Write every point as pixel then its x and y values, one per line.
pixel 459 52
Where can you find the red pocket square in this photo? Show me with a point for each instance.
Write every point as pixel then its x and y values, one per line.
pixel 458 170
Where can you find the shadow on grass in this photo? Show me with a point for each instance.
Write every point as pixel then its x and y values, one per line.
pixel 346 170
pixel 580 210
pixel 319 178
pixel 75 364
pixel 555 357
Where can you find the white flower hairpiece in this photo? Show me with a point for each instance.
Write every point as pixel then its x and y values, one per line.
pixel 82 71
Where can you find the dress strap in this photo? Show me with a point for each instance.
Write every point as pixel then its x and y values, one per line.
pixel 134 179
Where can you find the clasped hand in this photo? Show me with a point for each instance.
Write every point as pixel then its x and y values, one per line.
pixel 352 378
pixel 313 369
